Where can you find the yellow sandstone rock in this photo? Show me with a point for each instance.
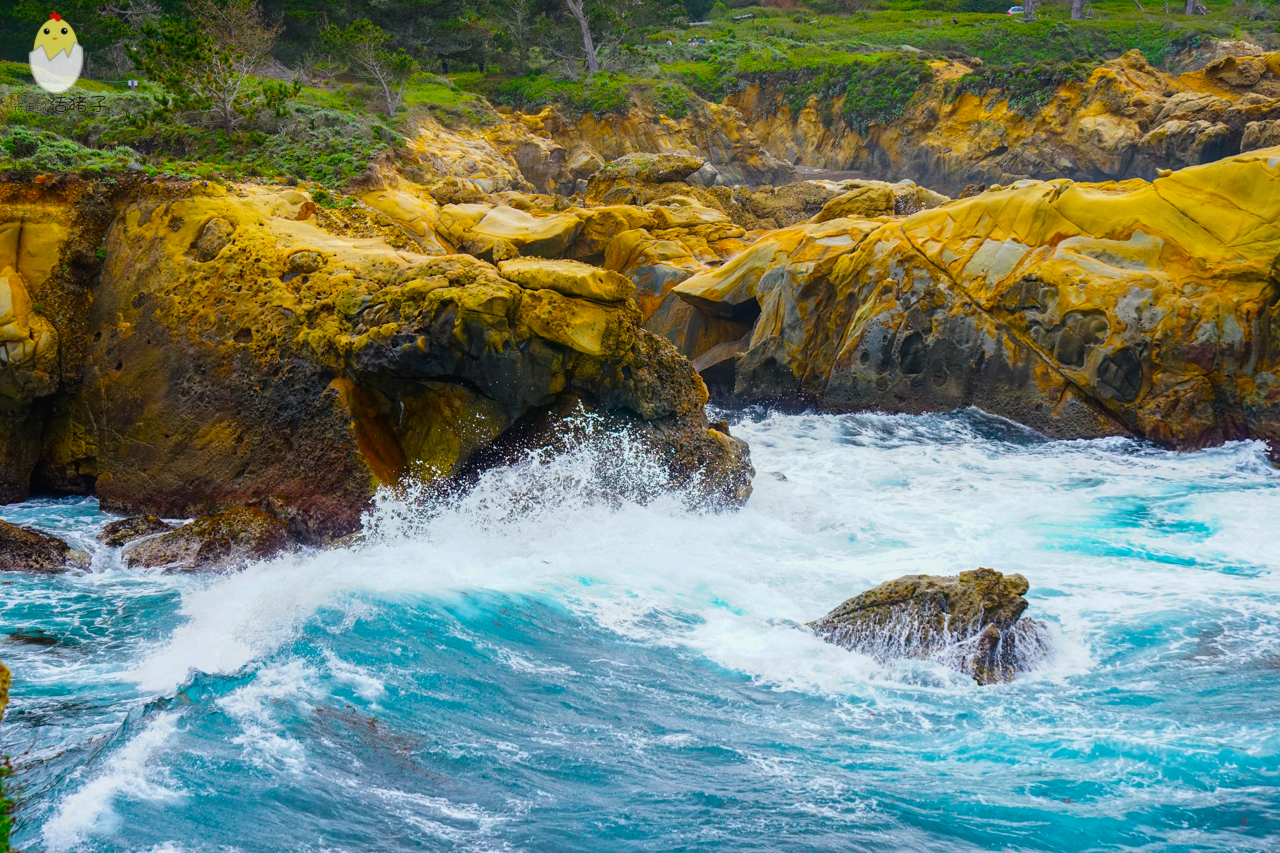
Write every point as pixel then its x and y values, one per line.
pixel 587 327
pixel 484 226
pixel 1112 124
pixel 28 343
pixel 601 224
pixel 1080 309
pixel 417 216
pixel 685 212
pixel 244 350
pixel 861 202
pixel 568 278
pixel 653 265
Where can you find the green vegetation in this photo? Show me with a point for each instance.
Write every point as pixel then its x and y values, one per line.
pixel 673 99
pixel 136 132
pixel 878 93
pixel 6 806
pixel 1026 87
pixel 600 94
pixel 316 89
pixel 361 48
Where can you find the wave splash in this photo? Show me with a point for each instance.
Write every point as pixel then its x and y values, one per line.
pixel 482 663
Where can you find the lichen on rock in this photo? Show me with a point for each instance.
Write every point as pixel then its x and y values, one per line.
pixel 25 550
pixel 117 533
pixel 1081 310
pixel 217 541
pixel 246 348
pixel 1125 119
pixel 970 622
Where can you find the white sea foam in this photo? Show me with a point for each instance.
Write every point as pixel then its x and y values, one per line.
pixel 256 707
pixel 865 499
pixel 132 774
pixel 1105 531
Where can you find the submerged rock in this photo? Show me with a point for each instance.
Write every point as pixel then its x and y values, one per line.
pixel 126 530
pixel 26 550
pixel 971 622
pixel 214 542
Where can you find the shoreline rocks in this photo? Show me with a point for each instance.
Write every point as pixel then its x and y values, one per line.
pixel 25 550
pixel 970 622
pixel 1080 310
pixel 6 681
pixel 244 347
pixel 124 531
pixel 213 542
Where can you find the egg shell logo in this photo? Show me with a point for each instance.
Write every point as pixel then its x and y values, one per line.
pixel 57 57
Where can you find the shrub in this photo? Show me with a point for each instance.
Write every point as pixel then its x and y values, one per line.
pixel 1026 87
pixel 876 89
pixel 673 99
pixel 599 94
pixel 879 93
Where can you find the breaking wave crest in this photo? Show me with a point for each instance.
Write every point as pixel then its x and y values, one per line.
pixel 565 656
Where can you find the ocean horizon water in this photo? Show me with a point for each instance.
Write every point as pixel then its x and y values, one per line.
pixel 569 658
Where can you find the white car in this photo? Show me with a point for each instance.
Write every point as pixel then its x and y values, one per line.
pixel 1016 10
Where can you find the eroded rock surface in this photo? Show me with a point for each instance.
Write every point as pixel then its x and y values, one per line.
pixel 1081 310
pixel 25 550
pixel 1127 120
pixel 218 541
pixel 245 347
pixel 117 533
pixel 970 622
pixel 545 152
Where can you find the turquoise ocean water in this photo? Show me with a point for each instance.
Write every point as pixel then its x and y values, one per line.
pixel 542 666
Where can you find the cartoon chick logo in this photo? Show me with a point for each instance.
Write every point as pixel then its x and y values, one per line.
pixel 57 58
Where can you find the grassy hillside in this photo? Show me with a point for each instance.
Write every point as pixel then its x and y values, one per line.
pixel 876 57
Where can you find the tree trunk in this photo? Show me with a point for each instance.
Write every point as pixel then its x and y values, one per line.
pixel 1028 10
pixel 521 30
pixel 391 104
pixel 588 45
pixel 1077 10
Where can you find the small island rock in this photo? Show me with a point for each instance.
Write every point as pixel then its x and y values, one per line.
pixel 970 621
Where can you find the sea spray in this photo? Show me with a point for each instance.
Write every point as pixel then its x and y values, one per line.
pixel 530 664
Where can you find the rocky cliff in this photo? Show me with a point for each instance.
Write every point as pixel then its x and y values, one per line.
pixel 182 348
pixel 1126 119
pixel 546 152
pixel 1131 308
